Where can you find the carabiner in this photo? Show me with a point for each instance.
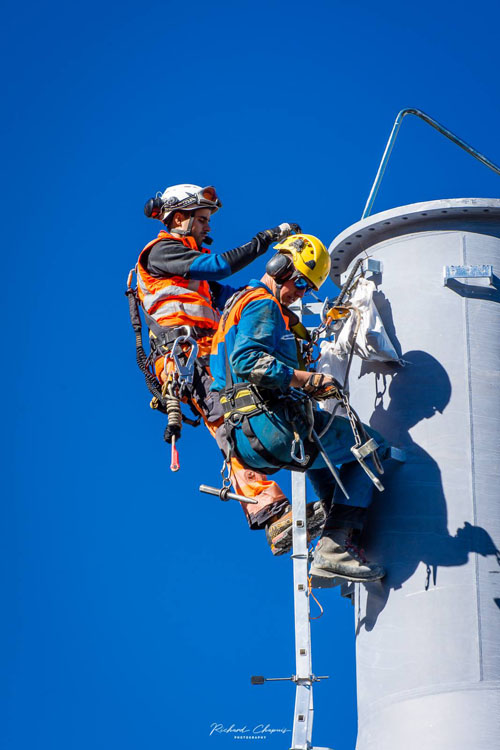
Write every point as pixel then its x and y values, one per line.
pixel 185 372
pixel 297 451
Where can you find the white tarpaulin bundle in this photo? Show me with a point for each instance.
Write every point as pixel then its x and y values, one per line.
pixel 371 341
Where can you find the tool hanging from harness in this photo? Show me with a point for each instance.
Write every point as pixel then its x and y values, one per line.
pixel 178 367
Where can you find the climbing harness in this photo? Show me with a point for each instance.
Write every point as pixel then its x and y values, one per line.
pixel 239 401
pixel 238 409
pixel 178 370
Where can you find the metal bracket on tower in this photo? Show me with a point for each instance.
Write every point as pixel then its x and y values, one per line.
pixel 301 308
pixel 468 272
pixel 397 454
pixel 258 679
pixel 369 265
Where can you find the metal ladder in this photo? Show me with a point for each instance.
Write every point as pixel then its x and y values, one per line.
pixel 303 677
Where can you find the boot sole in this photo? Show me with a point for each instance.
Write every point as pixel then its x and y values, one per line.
pixel 320 575
pixel 324 581
pixel 282 543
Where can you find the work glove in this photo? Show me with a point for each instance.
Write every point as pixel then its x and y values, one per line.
pixel 321 387
pixel 171 431
pixel 282 231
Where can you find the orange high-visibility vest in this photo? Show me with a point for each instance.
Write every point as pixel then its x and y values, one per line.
pixel 174 300
pixel 233 315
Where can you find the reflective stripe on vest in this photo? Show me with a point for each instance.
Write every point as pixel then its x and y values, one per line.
pixel 174 300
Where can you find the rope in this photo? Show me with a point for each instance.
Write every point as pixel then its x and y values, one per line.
pixel 322 612
pixel 173 407
pixel 345 289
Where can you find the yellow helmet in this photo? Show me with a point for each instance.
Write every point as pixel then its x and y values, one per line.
pixel 309 257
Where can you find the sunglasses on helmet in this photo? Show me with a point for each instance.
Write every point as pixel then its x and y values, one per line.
pixel 207 196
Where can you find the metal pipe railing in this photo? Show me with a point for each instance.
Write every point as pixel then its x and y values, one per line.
pixel 390 143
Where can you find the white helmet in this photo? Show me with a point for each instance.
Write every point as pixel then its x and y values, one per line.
pixel 182 198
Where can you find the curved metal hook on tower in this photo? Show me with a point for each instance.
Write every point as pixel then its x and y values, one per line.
pixel 392 138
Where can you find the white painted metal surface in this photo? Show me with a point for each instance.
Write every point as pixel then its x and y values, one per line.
pixel 428 636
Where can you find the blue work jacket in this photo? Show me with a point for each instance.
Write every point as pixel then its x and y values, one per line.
pixel 257 338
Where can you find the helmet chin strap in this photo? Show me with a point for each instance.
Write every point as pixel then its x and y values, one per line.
pixel 279 287
pixel 185 232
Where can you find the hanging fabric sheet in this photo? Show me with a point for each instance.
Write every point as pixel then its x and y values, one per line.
pixel 371 341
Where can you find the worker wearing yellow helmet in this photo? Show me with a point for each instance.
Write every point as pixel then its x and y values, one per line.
pixel 271 414
pixel 300 255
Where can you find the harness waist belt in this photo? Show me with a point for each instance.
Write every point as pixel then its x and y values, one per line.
pixel 166 335
pixel 241 399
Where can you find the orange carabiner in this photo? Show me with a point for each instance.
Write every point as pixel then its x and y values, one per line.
pixel 338 312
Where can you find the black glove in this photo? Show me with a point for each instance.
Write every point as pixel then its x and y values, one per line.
pixel 282 231
pixel 171 431
pixel 320 387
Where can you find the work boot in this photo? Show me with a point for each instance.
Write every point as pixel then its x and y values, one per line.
pixel 336 556
pixel 279 532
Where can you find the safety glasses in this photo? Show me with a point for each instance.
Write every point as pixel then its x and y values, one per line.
pixel 301 283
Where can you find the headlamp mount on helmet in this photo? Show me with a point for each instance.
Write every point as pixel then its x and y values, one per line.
pixel 298 243
pixel 306 255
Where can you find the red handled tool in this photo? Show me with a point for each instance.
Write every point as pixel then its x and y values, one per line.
pixel 174 463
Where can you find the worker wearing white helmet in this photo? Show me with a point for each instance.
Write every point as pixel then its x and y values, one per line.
pixel 179 288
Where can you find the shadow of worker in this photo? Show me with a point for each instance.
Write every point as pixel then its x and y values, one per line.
pixel 408 523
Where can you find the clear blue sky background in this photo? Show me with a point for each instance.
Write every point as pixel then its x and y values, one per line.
pixel 134 608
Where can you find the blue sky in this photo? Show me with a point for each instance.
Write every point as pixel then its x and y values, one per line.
pixel 136 609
